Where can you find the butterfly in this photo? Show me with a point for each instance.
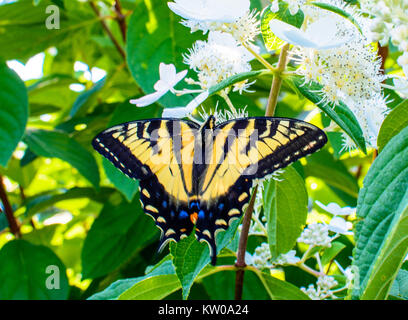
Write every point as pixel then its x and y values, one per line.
pixel 200 176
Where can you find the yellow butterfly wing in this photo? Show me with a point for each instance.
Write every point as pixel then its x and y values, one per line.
pixel 244 150
pixel 159 153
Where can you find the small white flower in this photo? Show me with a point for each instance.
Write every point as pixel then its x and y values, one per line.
pixel 339 225
pixel 210 10
pixel 287 258
pixel 316 234
pixel 319 35
pixel 181 112
pixel 168 79
pixel 323 288
pixel 335 209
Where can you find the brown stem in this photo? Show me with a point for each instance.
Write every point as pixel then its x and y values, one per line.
pixel 277 82
pixel 243 240
pixel 12 222
pixel 121 19
pixel 108 32
pixel 383 53
pixel 270 111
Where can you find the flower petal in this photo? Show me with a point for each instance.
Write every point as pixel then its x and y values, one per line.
pixel 148 99
pixel 181 112
pixel 167 73
pixel 290 34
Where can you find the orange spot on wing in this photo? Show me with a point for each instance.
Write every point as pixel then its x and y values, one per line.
pixel 193 217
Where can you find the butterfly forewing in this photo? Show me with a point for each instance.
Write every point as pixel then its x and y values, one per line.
pixel 159 153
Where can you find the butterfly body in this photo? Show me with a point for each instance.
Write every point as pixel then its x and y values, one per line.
pixel 201 176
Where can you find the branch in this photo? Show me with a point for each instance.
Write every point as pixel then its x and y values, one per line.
pixel 8 210
pixel 107 30
pixel 270 111
pixel 121 19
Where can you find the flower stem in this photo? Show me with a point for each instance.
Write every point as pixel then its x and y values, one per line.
pixel 228 101
pixel 270 110
pixel 259 57
pixel 277 81
pixel 107 30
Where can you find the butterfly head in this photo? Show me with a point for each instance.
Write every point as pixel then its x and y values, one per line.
pixel 209 123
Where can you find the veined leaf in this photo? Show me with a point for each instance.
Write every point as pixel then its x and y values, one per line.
pixel 340 114
pixel 285 208
pixel 40 202
pixel 395 121
pixel 339 11
pixel 115 235
pixel 85 99
pixel 54 144
pixel 116 289
pixel 13 112
pixel 322 165
pixel 235 79
pixel 190 256
pixel 25 271
pixel 155 35
pixel 23 30
pixel 278 289
pixel 382 234
pixel 271 41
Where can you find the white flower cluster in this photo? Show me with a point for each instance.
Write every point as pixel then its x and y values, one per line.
pixel 350 72
pixel 231 28
pixel 262 258
pixel 390 23
pixel 316 234
pixel 323 288
pixel 217 59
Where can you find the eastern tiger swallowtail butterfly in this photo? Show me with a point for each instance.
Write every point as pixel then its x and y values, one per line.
pixel 192 175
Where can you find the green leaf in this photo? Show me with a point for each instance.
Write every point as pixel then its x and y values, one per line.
pixel 86 98
pixel 23 31
pixel 116 289
pixel 285 208
pixel 341 114
pixel 23 273
pixel 278 289
pixel 271 41
pixel 330 253
pixel 236 78
pixel 118 232
pixel 395 121
pixel 339 11
pixel 13 112
pixel 128 187
pixel 382 234
pixel 322 165
pixel 400 286
pixel 156 35
pixel 152 288
pixel 190 256
pixel 54 144
pixel 221 286
pixel 41 202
